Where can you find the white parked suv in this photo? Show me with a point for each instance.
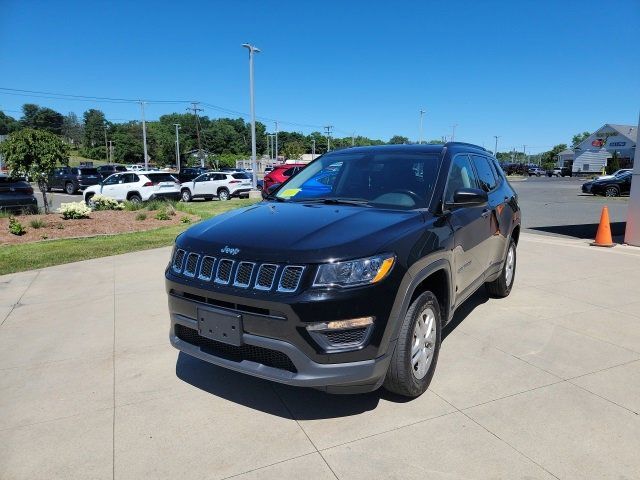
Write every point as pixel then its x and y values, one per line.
pixel 223 185
pixel 136 187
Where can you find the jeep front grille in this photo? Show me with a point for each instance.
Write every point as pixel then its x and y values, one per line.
pixel 290 278
pixel 192 263
pixel 178 258
pixel 223 274
pixel 240 274
pixel 243 274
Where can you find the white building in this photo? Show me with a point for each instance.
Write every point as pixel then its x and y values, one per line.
pixel 593 153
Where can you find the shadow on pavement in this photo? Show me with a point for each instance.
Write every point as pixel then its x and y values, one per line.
pixel 301 403
pixel 584 231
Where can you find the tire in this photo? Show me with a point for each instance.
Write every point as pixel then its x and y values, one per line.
pixel 223 194
pixel 69 188
pixel 403 377
pixel 501 286
pixel 135 198
pixel 87 199
pixel 612 191
pixel 185 195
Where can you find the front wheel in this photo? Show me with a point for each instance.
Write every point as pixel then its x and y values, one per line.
pixel 223 194
pixel 611 192
pixel 69 188
pixel 414 358
pixel 135 198
pixel 501 286
pixel 186 195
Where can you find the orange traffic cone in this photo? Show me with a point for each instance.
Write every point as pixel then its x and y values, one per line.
pixel 603 236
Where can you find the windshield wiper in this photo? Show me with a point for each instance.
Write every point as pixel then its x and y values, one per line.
pixel 338 201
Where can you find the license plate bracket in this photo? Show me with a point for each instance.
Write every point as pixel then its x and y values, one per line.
pixel 220 326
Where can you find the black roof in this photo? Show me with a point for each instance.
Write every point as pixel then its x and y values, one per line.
pixel 414 147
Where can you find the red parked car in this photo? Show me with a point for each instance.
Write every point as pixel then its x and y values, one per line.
pixel 280 173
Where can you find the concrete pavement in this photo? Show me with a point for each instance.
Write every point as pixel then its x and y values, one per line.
pixel 543 384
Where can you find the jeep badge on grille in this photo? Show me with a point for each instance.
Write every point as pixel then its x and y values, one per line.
pixel 230 251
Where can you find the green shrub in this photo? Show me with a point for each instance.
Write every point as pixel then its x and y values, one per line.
pixel 132 206
pixel 185 220
pixel 15 227
pixel 162 215
pixel 154 205
pixel 37 223
pixel 74 210
pixel 141 216
pixel 102 202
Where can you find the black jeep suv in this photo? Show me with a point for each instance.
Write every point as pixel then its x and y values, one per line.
pixel 360 261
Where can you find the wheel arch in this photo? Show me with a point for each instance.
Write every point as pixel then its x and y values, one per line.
pixel 132 193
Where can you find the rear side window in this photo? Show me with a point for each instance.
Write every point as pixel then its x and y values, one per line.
pixel 120 168
pixel 485 173
pixel 88 171
pixel 160 177
pixel 240 176
pixel 461 175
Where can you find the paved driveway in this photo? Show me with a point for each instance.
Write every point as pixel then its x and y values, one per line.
pixel 543 384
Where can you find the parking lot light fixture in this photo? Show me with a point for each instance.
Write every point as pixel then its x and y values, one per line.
pixel 252 50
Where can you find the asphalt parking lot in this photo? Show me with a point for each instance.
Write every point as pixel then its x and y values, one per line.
pixel 543 384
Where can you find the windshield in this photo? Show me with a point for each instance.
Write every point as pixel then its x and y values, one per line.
pixel 401 180
pixel 88 171
pixel 240 176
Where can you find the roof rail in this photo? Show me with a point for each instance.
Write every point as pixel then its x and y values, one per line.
pixel 466 145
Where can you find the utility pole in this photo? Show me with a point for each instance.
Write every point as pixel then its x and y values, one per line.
pixel 276 140
pixel 110 151
pixel 353 139
pixel 422 112
pixel 453 132
pixel 106 145
pixel 268 144
pixel 313 149
pixel 252 50
pixel 177 125
pixel 524 152
pixel 495 151
pixel 195 112
pixel 328 129
pixel 144 137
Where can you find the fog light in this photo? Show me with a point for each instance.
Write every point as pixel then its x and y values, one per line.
pixel 341 324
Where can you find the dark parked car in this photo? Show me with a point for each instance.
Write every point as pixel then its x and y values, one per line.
pixel 106 170
pixel 72 179
pixel 190 173
pixel 613 186
pixel 16 195
pixel 349 289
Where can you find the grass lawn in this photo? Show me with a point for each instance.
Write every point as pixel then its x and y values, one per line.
pixel 28 256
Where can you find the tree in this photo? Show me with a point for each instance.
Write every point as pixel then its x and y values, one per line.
pixel 578 138
pixel 94 125
pixel 8 124
pixel 548 159
pixel 398 140
pixel 293 149
pixel 42 118
pixel 35 153
pixel 72 129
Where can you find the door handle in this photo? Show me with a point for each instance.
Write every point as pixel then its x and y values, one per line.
pixel 485 213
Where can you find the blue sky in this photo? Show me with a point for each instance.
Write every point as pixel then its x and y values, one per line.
pixel 533 72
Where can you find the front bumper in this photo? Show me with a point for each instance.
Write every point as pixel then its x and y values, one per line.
pixel 586 188
pixel 18 202
pixel 241 192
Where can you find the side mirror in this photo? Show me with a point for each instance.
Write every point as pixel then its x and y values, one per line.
pixel 469 197
pixel 270 190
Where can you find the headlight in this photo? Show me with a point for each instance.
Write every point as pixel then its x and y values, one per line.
pixel 355 272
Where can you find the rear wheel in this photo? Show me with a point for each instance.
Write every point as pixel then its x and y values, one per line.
pixel 612 191
pixel 88 199
pixel 414 359
pixel 223 194
pixel 135 198
pixel 501 286
pixel 186 195
pixel 69 188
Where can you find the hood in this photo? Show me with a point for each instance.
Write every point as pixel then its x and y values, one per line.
pixel 297 232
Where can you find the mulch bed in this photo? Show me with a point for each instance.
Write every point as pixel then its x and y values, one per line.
pixel 100 223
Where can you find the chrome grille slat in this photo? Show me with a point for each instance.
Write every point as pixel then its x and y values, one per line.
pixel 206 268
pixel 290 278
pixel 191 264
pixel 177 261
pixel 223 273
pixel 243 274
pixel 266 276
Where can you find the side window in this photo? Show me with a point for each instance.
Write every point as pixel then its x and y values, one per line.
pixel 498 169
pixel 289 172
pixel 461 175
pixel 485 173
pixel 112 180
pixel 203 178
pixel 129 178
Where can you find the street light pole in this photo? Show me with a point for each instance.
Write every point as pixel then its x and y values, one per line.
pixel 495 151
pixel 422 112
pixel 106 144
pixel 313 149
pixel 276 154
pixel 453 132
pixel 144 137
pixel 177 125
pixel 252 50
